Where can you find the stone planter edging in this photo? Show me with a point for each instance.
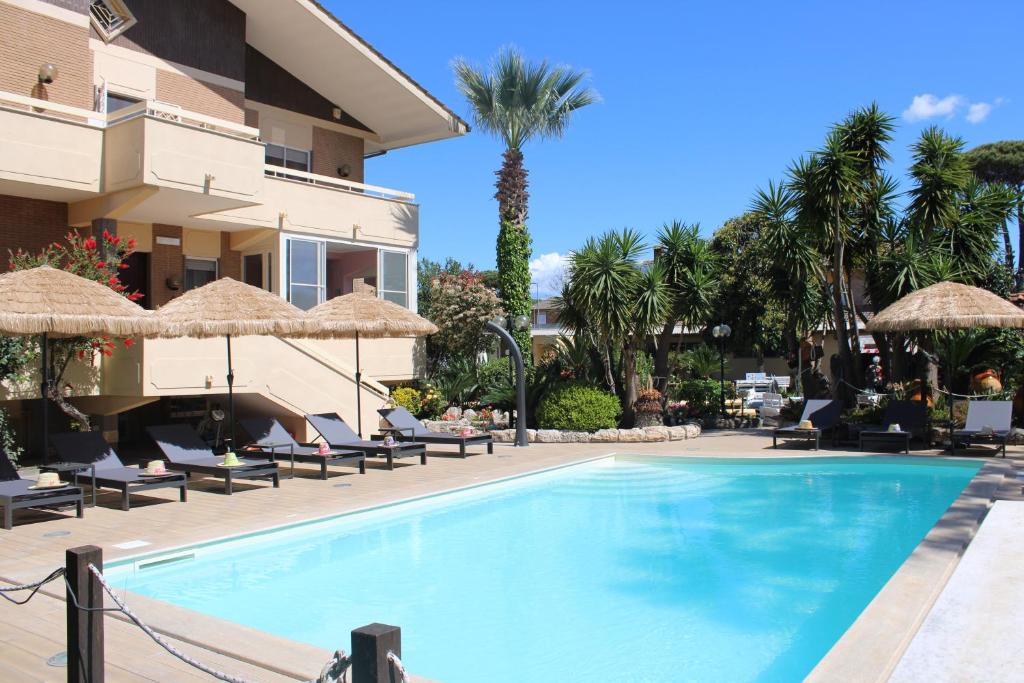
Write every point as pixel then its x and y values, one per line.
pixel 637 435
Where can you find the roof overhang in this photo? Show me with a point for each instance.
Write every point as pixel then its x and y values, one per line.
pixel 315 47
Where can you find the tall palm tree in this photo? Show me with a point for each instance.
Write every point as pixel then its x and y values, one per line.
pixel 519 101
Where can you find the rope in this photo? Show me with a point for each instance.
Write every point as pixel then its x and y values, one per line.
pixel 34 587
pixel 397 667
pixel 1005 392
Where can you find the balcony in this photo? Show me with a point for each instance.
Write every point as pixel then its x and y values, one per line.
pixel 323 206
pixel 48 151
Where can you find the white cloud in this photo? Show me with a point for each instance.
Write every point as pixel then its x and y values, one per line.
pixel 978 112
pixel 547 271
pixel 929 106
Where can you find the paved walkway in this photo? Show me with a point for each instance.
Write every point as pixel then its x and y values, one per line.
pixel 30 634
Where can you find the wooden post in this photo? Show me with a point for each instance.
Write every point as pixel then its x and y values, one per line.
pixel 370 647
pixel 85 629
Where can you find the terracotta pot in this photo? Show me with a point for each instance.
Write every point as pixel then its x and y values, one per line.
pixel 986 382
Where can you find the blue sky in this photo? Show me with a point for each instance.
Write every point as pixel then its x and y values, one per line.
pixel 702 102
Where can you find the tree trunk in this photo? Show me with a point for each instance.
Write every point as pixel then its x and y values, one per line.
pixel 629 381
pixel 606 360
pixel 1007 247
pixel 661 355
pixel 1020 236
pixel 58 366
pixel 840 391
pixel 513 245
pixel 857 371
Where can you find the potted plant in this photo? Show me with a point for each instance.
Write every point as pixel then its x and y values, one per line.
pixel 648 409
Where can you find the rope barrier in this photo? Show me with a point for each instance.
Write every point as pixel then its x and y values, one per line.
pixel 1005 392
pixel 397 667
pixel 34 587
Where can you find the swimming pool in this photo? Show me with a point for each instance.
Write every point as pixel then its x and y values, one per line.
pixel 625 569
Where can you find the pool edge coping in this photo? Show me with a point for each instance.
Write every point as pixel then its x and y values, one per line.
pixel 872 646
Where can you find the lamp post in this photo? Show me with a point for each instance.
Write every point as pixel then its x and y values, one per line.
pixel 501 326
pixel 721 333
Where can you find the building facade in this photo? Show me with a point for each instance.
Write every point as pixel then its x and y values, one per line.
pixel 229 139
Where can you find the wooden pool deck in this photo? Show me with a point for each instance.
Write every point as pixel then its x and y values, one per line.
pixel 30 634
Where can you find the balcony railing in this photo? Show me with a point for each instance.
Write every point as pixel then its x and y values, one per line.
pixel 176 114
pixel 338 184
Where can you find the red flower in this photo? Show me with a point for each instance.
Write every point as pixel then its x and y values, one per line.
pixel 129 343
pixel 106 234
pixel 135 296
pixel 101 264
pixel 89 244
pixel 112 281
pixel 115 241
pixel 123 266
pixel 131 243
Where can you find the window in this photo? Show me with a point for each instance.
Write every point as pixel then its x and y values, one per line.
pixel 288 157
pixel 116 102
pixel 394 277
pixel 110 18
pixel 306 263
pixel 542 318
pixel 199 271
pixel 252 270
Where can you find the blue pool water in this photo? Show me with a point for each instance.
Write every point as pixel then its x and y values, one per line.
pixel 625 569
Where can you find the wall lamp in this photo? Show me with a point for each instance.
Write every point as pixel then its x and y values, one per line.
pixel 48 73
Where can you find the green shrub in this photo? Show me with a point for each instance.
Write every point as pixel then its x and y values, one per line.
pixel 408 398
pixel 492 373
pixel 578 407
pixel 702 396
pixel 7 438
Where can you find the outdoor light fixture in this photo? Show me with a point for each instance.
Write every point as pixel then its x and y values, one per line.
pixel 500 321
pixel 521 322
pixel 47 73
pixel 720 332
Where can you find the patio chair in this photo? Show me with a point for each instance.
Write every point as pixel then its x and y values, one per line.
pixel 16 494
pixel 983 416
pixel 912 418
pixel 771 406
pixel 268 433
pixel 186 452
pixel 823 414
pixel 337 434
pixel 405 427
pixel 91 450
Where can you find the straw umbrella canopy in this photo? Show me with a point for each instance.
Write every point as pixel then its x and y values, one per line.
pixel 47 301
pixel 228 308
pixel 362 314
pixel 947 306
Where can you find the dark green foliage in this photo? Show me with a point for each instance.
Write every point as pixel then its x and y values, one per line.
pixel 578 407
pixel 702 396
pixel 513 258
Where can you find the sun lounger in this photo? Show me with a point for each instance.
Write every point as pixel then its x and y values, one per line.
pixel 271 436
pixel 405 427
pixel 823 414
pixel 912 418
pixel 102 468
pixel 187 452
pixel 337 434
pixel 987 422
pixel 16 493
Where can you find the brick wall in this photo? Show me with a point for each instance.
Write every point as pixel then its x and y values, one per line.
pixel 230 261
pixel 200 97
pixel 165 261
pixel 29 40
pixel 30 224
pixel 332 150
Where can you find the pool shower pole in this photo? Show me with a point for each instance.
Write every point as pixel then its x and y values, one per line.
pixel 517 358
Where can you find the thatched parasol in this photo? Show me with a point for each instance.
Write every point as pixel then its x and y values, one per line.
pixel 362 314
pixel 47 301
pixel 227 308
pixel 947 306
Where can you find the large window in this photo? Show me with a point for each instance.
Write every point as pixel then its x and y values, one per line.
pixel 116 102
pixel 306 266
pixel 394 277
pixel 199 271
pixel 288 157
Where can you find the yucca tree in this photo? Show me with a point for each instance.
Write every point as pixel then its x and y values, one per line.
pixel 689 267
pixel 518 101
pixel 621 303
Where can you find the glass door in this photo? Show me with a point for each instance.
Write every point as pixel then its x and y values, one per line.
pixel 393 279
pixel 305 268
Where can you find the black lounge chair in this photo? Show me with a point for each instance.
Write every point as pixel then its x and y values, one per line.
pixel 186 452
pixel 16 494
pixel 823 414
pixel 270 435
pixel 337 434
pixel 405 427
pixel 92 451
pixel 912 418
pixel 987 422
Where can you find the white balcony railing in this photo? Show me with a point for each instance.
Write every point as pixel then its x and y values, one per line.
pixel 338 183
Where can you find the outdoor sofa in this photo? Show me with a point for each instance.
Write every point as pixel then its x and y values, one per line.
pixel 824 416
pixel 337 434
pixel 912 418
pixel 982 416
pixel 186 452
pixel 405 427
pixel 16 493
pixel 101 468
pixel 270 435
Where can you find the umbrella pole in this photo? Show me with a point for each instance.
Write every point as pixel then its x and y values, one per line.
pixel 231 395
pixel 949 380
pixel 359 391
pixel 43 387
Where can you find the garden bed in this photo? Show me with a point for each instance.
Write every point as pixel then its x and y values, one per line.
pixel 637 435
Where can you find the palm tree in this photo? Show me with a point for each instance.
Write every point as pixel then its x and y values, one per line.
pixel 689 267
pixel 519 101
